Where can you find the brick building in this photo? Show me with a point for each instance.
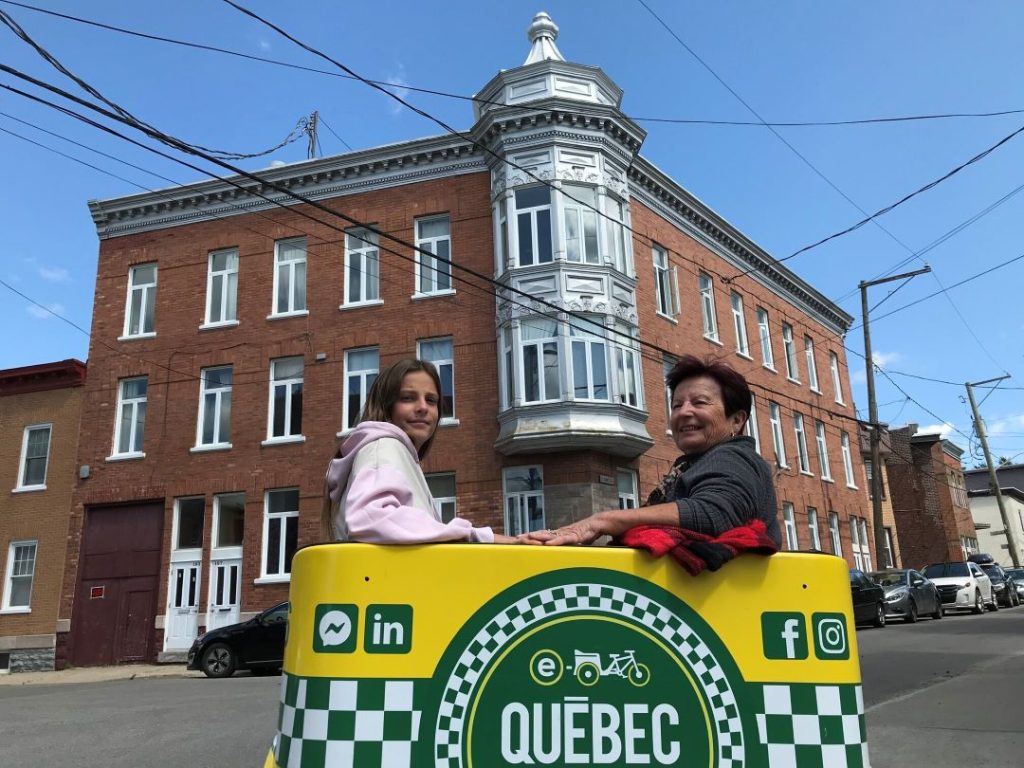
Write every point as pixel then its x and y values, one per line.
pixel 992 536
pixel 245 336
pixel 891 556
pixel 929 498
pixel 39 413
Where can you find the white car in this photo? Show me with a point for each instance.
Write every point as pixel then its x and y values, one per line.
pixel 963 586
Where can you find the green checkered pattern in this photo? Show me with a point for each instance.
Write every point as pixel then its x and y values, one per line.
pixel 813 726
pixel 346 723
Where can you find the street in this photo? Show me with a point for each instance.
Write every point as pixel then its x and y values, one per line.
pixel 938 694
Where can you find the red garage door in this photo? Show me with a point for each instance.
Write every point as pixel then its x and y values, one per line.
pixel 118 580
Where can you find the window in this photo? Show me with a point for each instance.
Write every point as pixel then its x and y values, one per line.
pixel 614 232
pixel 837 382
pixel 540 360
pixel 214 427
pixel 790 524
pixel 505 258
pixel 666 368
pixel 21 569
pixel 222 287
pixel 707 306
pixel 628 496
pixel 812 368
pixel 228 520
pixel 812 528
pixel 627 368
pixel 859 540
pixel 580 219
pixel 508 386
pixel 361 367
pixel 889 561
pixel 865 544
pixel 433 273
pixel 130 423
pixel 362 267
pixel 140 310
pixel 844 442
pixel 442 489
pixel 819 433
pixel 533 225
pixel 35 455
pixel 666 298
pixel 289 276
pixel 524 499
pixel 750 428
pixel 764 331
pixel 775 419
pixel 280 531
pixel 855 544
pixel 285 398
pixel 739 324
pixel 440 352
pixel 833 532
pixel 868 472
pixel 589 366
pixel 789 347
pixel 189 521
pixel 801 444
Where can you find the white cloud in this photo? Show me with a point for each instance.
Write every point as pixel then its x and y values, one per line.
pixel 54 274
pixel 42 314
pixel 858 375
pixel 397 79
pixel 944 430
pixel 1012 423
pixel 883 359
pixel 264 45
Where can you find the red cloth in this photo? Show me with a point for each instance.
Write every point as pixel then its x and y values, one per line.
pixel 699 551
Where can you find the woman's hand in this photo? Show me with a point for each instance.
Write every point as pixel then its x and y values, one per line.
pixel 584 531
pixel 500 538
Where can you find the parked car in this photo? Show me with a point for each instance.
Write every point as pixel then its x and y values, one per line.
pixel 1002 585
pixel 868 600
pixel 962 585
pixel 256 644
pixel 908 594
pixel 1017 577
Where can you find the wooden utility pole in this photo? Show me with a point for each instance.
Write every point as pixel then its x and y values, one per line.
pixel 993 477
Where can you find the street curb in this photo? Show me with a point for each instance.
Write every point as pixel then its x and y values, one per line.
pixel 97 674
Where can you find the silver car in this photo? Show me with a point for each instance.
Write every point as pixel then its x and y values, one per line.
pixel 908 594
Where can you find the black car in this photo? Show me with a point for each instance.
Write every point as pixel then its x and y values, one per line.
pixel 1003 587
pixel 1016 575
pixel 868 600
pixel 908 594
pixel 256 644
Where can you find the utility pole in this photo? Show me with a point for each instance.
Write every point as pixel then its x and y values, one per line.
pixel 311 131
pixel 993 478
pixel 876 458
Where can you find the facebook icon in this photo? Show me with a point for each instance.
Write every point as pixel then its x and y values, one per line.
pixel 783 635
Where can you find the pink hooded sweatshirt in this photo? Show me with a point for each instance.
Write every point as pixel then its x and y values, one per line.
pixel 378 494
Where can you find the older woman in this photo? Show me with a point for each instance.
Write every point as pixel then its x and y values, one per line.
pixel 719 482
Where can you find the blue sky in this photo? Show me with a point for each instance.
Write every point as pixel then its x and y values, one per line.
pixel 790 61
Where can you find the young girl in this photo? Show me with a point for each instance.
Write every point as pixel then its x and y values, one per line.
pixel 375 491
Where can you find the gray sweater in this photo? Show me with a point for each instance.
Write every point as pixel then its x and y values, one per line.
pixel 722 488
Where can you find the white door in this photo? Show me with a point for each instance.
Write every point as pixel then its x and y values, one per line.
pixel 225 587
pixel 182 606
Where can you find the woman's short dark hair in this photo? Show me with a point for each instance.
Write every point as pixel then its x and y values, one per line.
pixel 387 387
pixel 735 390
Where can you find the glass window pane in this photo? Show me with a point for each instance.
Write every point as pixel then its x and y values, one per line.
pixel 287 368
pixel 525 239
pixel 274 545
pixel 191 514
pixel 230 520
pixel 291 540
pixel 531 197
pixel 283 501
pixel 437 227
pixel 363 359
pixel 544 236
pixel 600 372
pixel 441 486
pixel 296 412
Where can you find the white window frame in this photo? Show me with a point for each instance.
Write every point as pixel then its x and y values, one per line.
pixel 803 458
pixel 812 366
pixel 844 444
pixel 865 544
pixel 739 325
pixel 445 365
pixel 431 272
pixel 858 561
pixel 221 550
pixel 222 283
pixel 186 553
pixel 219 394
pixel 764 332
pixel 443 504
pixel 532 213
pixel 789 351
pixel 138 431
pixel 837 382
pixel 707 306
pixel 819 436
pixel 362 279
pixel 581 214
pixel 834 534
pixel 522 497
pixel 135 327
pixel 667 364
pixel 292 266
pixel 538 347
pixel 10 576
pixel 890 561
pixel 365 377
pixel 508 368
pixel 779 445
pixel 789 523
pixel 289 388
pixel 588 336
pixel 626 488
pixel 25 458
pixel 629 388
pixel 666 287
pixel 750 428
pixel 812 528
pixel 616 242
pixel 280 518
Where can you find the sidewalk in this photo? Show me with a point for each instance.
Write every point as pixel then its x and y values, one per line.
pixel 97 674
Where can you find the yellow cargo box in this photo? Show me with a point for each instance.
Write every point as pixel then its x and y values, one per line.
pixel 477 656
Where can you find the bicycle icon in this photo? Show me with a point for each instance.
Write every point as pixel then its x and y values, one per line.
pixel 589 669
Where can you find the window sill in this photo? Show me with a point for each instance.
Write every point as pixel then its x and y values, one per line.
pixel 360 305
pixel 137 336
pixel 284 440
pixel 125 456
pixel 283 579
pixel 791 380
pixel 663 316
pixel 452 422
pixel 771 368
pixel 212 447
pixel 713 340
pixel 828 479
pixel 286 315
pixel 840 402
pixel 852 487
pixel 815 390
pixel 28 488
pixel 214 326
pixel 806 473
pixel 744 355
pixel 7 611
pixel 434 295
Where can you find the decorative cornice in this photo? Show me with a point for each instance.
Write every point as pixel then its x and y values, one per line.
pixel 42 378
pixel 566 114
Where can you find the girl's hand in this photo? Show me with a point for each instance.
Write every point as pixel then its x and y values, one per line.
pixel 500 538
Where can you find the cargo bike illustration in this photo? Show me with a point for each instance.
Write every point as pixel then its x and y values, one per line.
pixel 489 656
